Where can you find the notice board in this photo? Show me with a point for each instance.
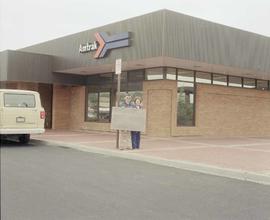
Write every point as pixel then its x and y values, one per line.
pixel 129 119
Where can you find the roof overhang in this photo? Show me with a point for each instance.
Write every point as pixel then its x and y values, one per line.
pixel 170 62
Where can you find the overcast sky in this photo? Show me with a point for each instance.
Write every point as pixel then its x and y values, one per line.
pixel 27 22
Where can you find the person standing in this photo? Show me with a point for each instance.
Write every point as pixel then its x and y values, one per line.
pixel 125 135
pixel 136 135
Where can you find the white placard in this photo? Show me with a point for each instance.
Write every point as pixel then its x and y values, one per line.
pixel 118 66
pixel 128 119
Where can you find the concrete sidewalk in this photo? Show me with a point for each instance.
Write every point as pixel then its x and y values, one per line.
pixel 240 158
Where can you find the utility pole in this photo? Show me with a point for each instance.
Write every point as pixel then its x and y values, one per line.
pixel 118 71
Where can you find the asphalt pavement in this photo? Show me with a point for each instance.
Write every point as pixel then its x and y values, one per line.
pixel 52 182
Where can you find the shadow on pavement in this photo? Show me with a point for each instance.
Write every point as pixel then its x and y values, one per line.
pixel 12 143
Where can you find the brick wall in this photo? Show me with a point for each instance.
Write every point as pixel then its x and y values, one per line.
pixel 227 111
pixel 61 107
pixel 20 85
pixel 220 111
pixel 45 91
pixel 8 85
pixel 28 86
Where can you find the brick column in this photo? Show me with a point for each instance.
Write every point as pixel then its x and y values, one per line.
pixel 77 107
pixel 61 107
pixel 160 102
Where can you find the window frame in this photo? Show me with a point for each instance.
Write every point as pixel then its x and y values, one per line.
pixel 194 98
pixel 247 78
pixel 209 73
pixel 226 83
pixel 98 91
pixel 162 73
pixel 236 77
pixel 166 73
pixel 262 80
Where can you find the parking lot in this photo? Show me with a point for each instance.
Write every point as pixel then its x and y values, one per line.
pixel 55 182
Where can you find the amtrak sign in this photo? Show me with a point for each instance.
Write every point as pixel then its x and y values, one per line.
pixel 84 48
pixel 104 43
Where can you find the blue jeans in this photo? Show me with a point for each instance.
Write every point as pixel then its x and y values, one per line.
pixel 135 139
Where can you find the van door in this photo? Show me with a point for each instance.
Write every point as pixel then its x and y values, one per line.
pixel 20 111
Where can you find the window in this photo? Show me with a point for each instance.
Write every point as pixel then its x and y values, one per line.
pixel 123 76
pixel 100 79
pixel 170 73
pixel 105 78
pixel 99 99
pixel 136 76
pixel 185 105
pixel 98 106
pixel 262 84
pixel 19 100
pixel 185 75
pixel 124 80
pixel 135 79
pixel 104 106
pixel 219 79
pixel 186 98
pixel 92 111
pixel 154 74
pixel 235 81
pixel 249 83
pixel 202 77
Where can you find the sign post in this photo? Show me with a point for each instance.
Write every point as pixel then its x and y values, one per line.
pixel 118 71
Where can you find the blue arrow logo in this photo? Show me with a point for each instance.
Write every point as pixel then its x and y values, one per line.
pixel 107 42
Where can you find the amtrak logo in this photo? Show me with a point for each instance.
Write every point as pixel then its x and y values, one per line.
pixel 105 43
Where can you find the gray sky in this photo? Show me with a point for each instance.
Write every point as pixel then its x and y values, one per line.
pixel 27 22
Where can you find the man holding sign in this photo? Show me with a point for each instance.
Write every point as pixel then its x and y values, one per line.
pixel 131 118
pixel 136 135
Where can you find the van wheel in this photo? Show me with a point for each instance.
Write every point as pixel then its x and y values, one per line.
pixel 24 139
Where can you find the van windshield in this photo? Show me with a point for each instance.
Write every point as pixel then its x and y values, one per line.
pixel 19 100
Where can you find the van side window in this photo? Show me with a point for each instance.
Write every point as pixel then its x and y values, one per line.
pixel 19 100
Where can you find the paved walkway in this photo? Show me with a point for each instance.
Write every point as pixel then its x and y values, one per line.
pixel 247 155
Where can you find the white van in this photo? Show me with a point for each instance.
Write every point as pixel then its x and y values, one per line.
pixel 21 114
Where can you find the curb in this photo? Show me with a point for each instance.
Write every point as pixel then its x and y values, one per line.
pixel 184 165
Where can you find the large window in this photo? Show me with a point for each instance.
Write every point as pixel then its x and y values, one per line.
pixel 98 106
pixel 101 95
pixel 186 98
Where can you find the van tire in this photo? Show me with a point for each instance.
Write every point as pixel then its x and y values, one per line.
pixel 24 139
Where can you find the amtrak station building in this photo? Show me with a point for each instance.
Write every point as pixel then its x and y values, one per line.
pixel 196 78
